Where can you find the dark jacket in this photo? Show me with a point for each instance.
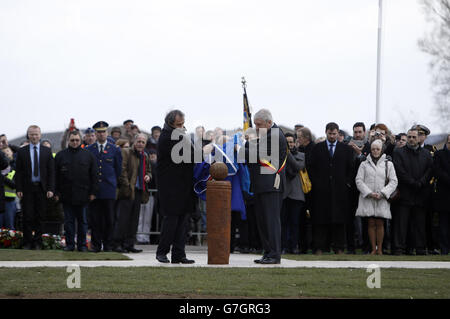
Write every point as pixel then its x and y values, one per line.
pixel 76 175
pixel 174 180
pixel 295 162
pixel 262 179
pixel 24 170
pixel 414 171
pixel 331 180
pixel 4 162
pixel 307 150
pixel 130 172
pixel 441 169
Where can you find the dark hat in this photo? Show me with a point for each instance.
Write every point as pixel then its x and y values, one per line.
pixel 127 121
pixel 89 130
pixel 115 129
pixel 422 129
pixel 100 126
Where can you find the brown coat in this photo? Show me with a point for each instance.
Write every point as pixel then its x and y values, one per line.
pixel 128 178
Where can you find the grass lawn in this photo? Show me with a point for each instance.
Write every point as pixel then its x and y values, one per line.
pixel 30 255
pixel 363 257
pixel 177 282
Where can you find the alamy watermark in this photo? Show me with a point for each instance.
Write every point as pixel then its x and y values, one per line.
pixel 188 151
pixel 374 280
pixel 74 279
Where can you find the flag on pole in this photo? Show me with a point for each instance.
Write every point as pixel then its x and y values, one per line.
pixel 247 114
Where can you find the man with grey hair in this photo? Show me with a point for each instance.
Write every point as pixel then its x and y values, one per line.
pixel 268 181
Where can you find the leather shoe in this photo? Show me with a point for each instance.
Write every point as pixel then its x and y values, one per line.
pixel 83 249
pixel 133 250
pixel 162 259
pixel 68 249
pixel 27 247
pixel 269 261
pixel 183 260
pixel 119 250
pixel 258 261
pixel 94 250
pixel 38 247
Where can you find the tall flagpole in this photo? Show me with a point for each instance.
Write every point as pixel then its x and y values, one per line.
pixel 380 24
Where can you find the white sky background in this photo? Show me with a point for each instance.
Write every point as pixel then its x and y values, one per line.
pixel 309 62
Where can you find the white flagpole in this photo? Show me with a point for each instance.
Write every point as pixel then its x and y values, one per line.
pixel 380 24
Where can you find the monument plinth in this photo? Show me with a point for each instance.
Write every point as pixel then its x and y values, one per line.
pixel 218 215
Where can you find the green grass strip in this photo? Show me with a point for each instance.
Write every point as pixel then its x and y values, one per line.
pixel 153 282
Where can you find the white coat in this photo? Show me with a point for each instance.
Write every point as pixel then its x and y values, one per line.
pixel 371 178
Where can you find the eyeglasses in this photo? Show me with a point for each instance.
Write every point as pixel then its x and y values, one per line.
pixel 414 137
pixel 74 140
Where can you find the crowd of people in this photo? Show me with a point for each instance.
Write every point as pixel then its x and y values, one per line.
pixel 373 190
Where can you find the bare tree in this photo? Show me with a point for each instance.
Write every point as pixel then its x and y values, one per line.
pixel 437 44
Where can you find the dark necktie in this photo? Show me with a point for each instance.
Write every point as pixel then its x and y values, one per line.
pixel 101 148
pixel 36 163
pixel 331 150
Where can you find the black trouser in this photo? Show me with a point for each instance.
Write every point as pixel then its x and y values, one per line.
pixel 290 221
pixel 444 232
pixel 268 209
pixel 350 233
pixel 173 233
pixel 305 230
pixel 102 222
pixel 238 223
pixel 253 234
pixel 409 220
pixel 34 204
pixel 127 221
pixel 324 234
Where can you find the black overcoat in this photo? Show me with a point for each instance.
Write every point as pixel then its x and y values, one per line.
pixel 441 169
pixel 76 175
pixel 331 180
pixel 414 170
pixel 174 180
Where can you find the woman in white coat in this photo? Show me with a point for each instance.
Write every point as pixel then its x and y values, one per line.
pixel 374 192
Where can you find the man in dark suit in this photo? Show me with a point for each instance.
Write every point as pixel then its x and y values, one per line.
pixel 101 209
pixel 175 189
pixel 331 170
pixel 35 181
pixel 266 158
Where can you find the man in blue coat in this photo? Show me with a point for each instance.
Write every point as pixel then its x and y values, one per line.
pixel 109 162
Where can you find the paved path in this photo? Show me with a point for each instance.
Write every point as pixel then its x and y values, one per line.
pixel 200 255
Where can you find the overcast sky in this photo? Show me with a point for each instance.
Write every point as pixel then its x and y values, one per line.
pixel 309 62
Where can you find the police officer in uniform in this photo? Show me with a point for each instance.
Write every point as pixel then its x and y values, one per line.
pixel 109 162
pixel 432 230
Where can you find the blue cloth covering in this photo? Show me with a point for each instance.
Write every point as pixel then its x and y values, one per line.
pixel 238 174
